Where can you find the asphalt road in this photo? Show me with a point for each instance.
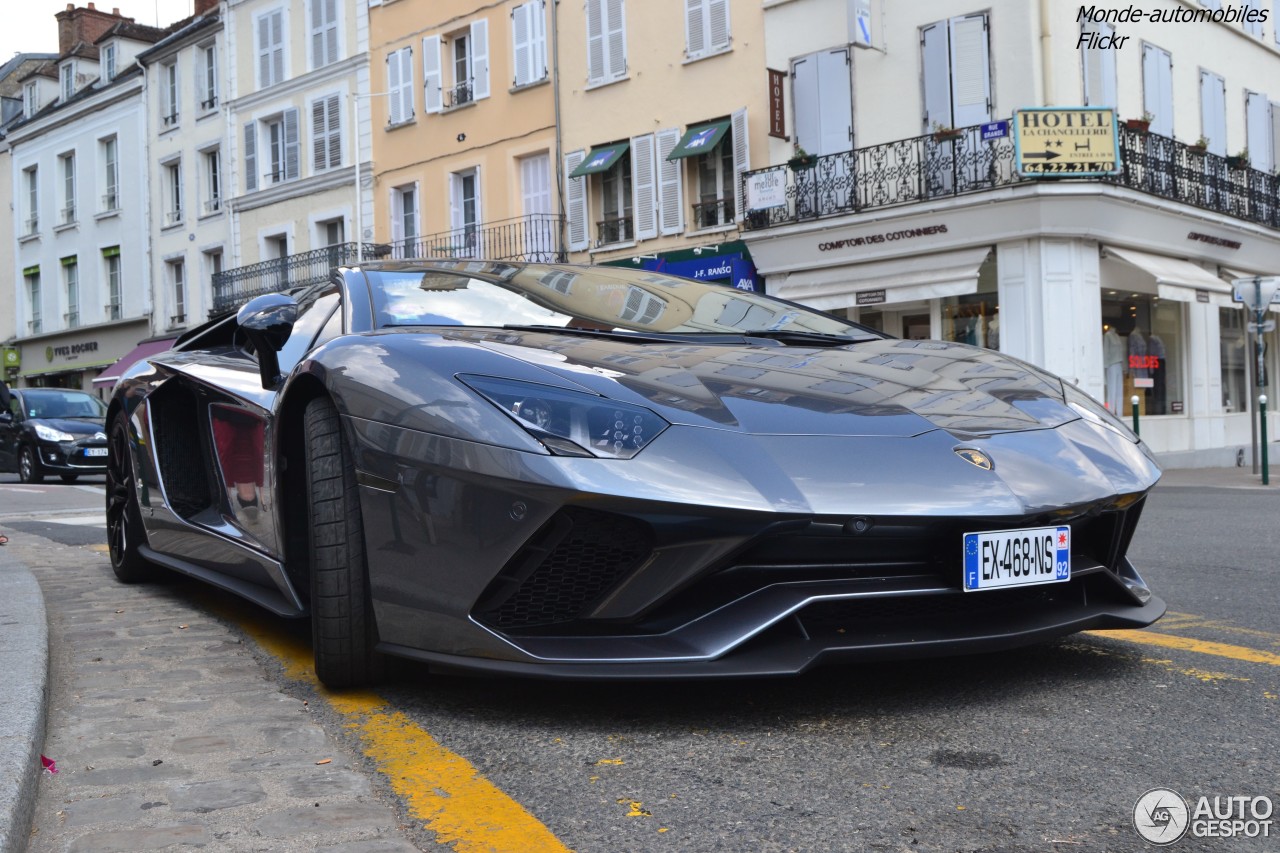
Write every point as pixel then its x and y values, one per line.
pixel 1042 749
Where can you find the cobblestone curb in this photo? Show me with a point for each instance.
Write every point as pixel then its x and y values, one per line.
pixel 24 660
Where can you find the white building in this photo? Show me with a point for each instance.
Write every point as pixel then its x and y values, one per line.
pixel 1118 284
pixel 78 174
pixel 293 68
pixel 186 143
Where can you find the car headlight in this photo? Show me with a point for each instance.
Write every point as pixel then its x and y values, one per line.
pixel 571 423
pixel 47 433
pixel 1094 412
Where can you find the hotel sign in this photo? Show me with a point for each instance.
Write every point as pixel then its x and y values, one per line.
pixel 1068 142
pixel 777 106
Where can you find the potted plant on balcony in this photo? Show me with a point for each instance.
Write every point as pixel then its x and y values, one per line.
pixel 1200 146
pixel 1142 125
pixel 1239 160
pixel 802 160
pixel 943 133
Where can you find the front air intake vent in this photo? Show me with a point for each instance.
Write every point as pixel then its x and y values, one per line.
pixel 568 565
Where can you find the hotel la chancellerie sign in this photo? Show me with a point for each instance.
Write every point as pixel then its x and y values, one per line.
pixel 1068 142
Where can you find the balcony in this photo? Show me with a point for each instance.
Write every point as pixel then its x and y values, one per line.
pixel 209 102
pixel 170 120
pixel 533 239
pixel 172 217
pixel 617 229
pixel 32 227
pixel 463 93
pixel 713 213
pixel 212 205
pixel 112 310
pixel 69 215
pixel 110 202
pixel 71 319
pixel 924 168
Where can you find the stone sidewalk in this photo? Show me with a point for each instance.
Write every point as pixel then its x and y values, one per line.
pixel 168 733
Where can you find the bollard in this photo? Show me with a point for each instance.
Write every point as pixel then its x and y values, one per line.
pixel 1133 404
pixel 1262 414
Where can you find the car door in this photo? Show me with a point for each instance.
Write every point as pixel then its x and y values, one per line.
pixel 10 432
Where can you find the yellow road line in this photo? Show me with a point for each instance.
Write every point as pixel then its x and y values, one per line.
pixel 440 787
pixel 1204 647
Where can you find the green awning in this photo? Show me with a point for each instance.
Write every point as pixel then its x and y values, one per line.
pixel 601 159
pixel 699 139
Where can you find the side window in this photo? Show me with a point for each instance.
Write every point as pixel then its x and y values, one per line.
pixel 312 316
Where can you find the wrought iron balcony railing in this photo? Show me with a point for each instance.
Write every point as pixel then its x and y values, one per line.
pixel 534 238
pixel 234 286
pixel 456 96
pixel 709 214
pixel 926 168
pixel 110 202
pixel 616 229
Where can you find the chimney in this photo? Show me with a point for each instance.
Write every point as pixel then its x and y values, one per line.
pixel 205 7
pixel 83 25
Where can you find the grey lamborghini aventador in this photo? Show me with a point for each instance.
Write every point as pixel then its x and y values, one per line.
pixel 580 472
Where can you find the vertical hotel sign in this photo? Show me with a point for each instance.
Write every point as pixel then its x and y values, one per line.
pixel 777 106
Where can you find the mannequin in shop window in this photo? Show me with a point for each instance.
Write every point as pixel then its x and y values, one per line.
pixel 1113 353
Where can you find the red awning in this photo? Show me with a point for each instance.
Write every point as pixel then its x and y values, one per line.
pixel 112 374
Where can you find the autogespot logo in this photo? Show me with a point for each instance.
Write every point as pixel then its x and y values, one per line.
pixel 1161 816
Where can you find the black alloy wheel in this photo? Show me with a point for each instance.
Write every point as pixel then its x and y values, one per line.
pixel 29 468
pixel 125 533
pixel 343 632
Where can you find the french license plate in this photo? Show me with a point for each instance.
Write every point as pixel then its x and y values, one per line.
pixel 997 559
pixel 95 451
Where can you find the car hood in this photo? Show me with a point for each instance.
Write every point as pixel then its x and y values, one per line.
pixel 79 427
pixel 879 387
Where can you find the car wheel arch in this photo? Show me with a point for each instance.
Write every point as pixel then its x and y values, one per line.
pixel 292 477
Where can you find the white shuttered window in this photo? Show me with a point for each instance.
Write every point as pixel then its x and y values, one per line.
pixel 644 187
pixel 326 134
pixel 432 77
pixel 956 59
pixel 529 42
pixel 1099 69
pixel 823 102
pixel 400 86
pixel 1157 88
pixel 576 213
pixel 1213 112
pixel 324 32
pixel 479 59
pixel 670 184
pixel 270 37
pixel 706 26
pixel 606 41
pixel 1257 115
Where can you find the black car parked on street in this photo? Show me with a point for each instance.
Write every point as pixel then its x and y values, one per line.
pixel 53 431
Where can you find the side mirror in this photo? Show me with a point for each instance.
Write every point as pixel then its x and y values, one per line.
pixel 268 321
pixel 6 417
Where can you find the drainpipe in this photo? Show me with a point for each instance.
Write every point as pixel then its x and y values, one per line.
pixel 555 83
pixel 1046 63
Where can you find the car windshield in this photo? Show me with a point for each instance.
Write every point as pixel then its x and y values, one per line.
pixel 52 403
pixel 605 299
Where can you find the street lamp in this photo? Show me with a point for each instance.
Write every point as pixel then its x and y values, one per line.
pixel 355 148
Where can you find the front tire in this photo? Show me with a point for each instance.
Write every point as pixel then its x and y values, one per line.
pixel 343 633
pixel 125 533
pixel 29 468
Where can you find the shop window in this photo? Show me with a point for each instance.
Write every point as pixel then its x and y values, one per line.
pixel 974 318
pixel 1234 347
pixel 1142 349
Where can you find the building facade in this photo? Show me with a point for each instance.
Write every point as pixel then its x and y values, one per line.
pixel 910 215
pixel 293 67
pixel 663 108
pixel 78 173
pixel 186 140
pixel 463 124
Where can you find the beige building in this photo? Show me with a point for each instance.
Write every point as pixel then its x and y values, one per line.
pixel 463 120
pixel 664 105
pixel 293 67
